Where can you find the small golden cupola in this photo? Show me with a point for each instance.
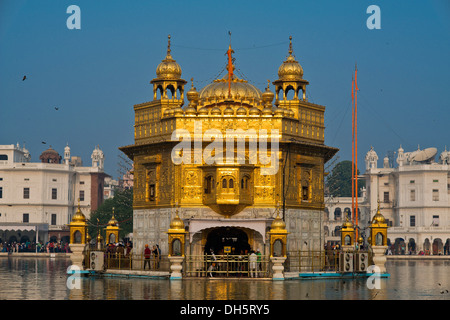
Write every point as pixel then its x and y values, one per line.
pixel 78 227
pixel 290 77
pixel 78 216
pixel 347 234
pixel 168 83
pixel 278 237
pixel 177 235
pixel 192 96
pixel 267 97
pixel 168 69
pixel 112 229
pixel 290 69
pixel 378 218
pixel 378 229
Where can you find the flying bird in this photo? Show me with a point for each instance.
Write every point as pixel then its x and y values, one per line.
pixel 56 108
pixel 24 77
pixel 43 142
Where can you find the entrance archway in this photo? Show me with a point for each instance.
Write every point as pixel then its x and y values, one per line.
pixel 412 245
pixel 221 237
pixel 426 246
pixel 399 246
pixel 438 247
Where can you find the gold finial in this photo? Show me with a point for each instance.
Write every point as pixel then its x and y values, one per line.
pixel 192 83
pixel 268 84
pixel 168 45
pixel 290 45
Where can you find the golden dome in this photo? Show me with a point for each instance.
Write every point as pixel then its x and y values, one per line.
pixel 178 110
pixel 190 110
pixel 192 94
pixel 168 112
pixel 268 95
pixel 203 111
pixel 255 111
pixel 78 216
pixel 290 69
pixel 168 69
pixel 113 222
pixel 278 224
pixel 241 111
pixel 216 111
pixel 267 111
pixel 279 111
pixel 228 111
pixel 347 224
pixel 177 223
pixel 240 90
pixel 378 218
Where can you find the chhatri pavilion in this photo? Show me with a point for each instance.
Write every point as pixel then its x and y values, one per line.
pixel 228 203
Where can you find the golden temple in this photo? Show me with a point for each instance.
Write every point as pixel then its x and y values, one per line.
pixel 228 200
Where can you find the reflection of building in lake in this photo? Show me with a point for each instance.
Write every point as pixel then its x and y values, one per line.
pixel 228 204
pixel 414 199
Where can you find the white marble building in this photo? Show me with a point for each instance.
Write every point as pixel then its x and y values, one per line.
pixel 44 195
pixel 414 198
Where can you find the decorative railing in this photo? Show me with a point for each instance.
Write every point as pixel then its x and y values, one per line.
pixel 226 266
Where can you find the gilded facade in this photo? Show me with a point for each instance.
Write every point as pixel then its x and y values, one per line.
pixel 228 200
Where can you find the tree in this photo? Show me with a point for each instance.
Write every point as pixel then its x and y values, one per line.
pixel 339 182
pixel 122 202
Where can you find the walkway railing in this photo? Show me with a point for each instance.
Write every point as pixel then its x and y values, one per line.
pixel 318 261
pixel 226 266
pixel 121 261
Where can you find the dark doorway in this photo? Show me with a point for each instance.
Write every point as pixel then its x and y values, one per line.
pixel 222 237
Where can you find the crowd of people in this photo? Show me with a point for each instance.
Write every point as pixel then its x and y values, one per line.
pixel 119 249
pixel 31 246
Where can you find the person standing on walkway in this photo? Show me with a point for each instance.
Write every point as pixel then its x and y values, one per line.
pixel 147 255
pixel 156 255
pixel 252 264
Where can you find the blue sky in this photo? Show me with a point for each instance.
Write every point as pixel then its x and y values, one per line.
pixel 96 74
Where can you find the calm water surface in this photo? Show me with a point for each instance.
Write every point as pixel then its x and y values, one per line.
pixel 46 279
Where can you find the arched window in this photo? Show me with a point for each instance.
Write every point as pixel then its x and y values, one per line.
pixel 208 185
pixel 347 240
pixel 337 214
pixel 277 248
pixel 170 91
pixel 179 93
pixel 77 237
pixel 305 191
pixel 159 93
pixel 224 183
pixel 231 183
pixel 379 239
pixel 290 93
pixel 176 247
pixel 112 238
